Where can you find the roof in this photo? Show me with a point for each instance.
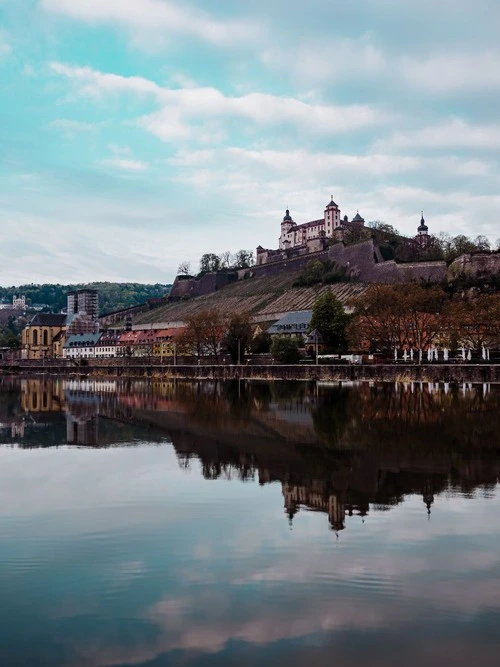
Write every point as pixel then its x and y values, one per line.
pixel 48 320
pixel 331 203
pixel 295 322
pixel 357 218
pixel 288 217
pixel 422 226
pixel 82 340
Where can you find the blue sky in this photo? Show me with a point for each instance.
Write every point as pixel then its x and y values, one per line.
pixel 138 133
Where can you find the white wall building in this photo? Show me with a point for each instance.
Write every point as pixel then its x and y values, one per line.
pixel 294 235
pixel 81 346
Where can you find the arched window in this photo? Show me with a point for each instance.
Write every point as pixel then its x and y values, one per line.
pixel 35 337
pixel 45 337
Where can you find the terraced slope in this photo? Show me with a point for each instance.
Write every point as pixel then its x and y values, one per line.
pixel 264 298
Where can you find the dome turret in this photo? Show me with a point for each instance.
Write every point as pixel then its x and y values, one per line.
pixel 422 228
pixel 287 217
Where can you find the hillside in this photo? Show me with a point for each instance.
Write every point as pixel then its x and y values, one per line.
pixel 265 298
pixel 112 296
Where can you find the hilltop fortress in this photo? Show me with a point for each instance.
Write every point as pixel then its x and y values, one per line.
pixel 315 236
pixel 331 238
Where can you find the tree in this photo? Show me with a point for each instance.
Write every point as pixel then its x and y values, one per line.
pixel 209 263
pixel 395 316
pixel 330 319
pixel 285 349
pixel 184 269
pixel 244 259
pixel 237 337
pixel 474 321
pixel 261 344
pixel 226 259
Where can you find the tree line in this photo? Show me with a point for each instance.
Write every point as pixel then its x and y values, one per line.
pixel 112 296
pixel 226 261
pixel 394 245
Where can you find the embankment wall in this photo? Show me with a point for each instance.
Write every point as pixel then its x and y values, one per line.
pixel 453 373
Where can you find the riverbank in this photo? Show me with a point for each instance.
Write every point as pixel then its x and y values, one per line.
pixel 452 373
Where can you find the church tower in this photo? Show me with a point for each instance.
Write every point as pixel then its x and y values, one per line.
pixel 332 217
pixel 423 230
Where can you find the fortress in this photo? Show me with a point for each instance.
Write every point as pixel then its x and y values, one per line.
pixel 314 236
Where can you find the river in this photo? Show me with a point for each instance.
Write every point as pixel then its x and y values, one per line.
pixel 216 524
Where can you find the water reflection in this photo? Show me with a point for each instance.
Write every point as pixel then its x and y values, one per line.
pixel 334 448
pixel 149 524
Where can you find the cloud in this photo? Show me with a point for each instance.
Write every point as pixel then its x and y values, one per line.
pixel 454 133
pixel 159 17
pixel 338 59
pixel 179 105
pixel 125 164
pixel 450 72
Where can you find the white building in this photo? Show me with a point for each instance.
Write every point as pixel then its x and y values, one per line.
pixel 19 302
pixel 106 346
pixel 294 235
pixel 81 346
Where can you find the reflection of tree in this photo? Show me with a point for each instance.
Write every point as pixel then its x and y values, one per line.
pixel 331 415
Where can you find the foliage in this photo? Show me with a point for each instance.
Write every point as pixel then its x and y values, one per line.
pixel 389 316
pixel 112 296
pixel 473 321
pixel 204 334
pixel 285 349
pixel 237 337
pixel 261 344
pixel 226 261
pixel 319 272
pixel 330 319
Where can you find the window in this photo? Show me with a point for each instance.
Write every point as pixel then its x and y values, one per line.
pixel 35 337
pixel 45 337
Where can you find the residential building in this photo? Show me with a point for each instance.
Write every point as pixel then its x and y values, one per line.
pixel 81 346
pixel 106 346
pixel 292 324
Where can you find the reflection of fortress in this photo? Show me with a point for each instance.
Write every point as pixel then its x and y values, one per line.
pixel 333 450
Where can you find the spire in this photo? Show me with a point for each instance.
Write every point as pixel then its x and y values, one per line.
pixel 288 217
pixel 422 228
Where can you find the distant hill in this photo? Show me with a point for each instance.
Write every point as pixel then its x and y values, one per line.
pixel 112 296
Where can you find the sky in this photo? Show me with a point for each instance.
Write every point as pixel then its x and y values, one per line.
pixel 136 134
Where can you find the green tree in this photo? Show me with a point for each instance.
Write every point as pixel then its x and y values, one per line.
pixel 209 263
pixel 237 337
pixel 330 319
pixel 285 349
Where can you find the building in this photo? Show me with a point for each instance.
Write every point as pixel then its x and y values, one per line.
pixel 292 324
pixel 41 339
pixel 83 311
pixel 81 346
pixel 106 346
pixel 19 302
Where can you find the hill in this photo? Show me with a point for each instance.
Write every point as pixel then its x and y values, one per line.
pixel 265 298
pixel 112 296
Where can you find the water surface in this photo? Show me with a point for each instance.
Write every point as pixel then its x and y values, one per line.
pixel 248 524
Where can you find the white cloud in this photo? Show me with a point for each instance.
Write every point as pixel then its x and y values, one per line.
pixel 454 134
pixel 336 59
pixel 159 17
pixel 181 105
pixel 450 72
pixel 125 164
